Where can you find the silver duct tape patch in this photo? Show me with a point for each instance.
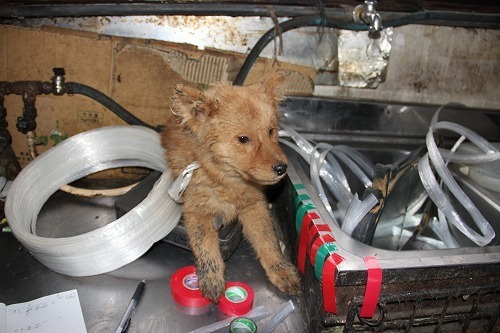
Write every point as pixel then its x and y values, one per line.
pixel 363 61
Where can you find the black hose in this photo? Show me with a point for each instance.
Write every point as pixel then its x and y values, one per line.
pixel 78 88
pixel 492 20
pixel 295 23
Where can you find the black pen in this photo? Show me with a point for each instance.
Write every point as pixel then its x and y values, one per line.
pixel 124 323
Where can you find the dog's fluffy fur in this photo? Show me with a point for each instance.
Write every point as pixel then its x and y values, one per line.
pixel 232 132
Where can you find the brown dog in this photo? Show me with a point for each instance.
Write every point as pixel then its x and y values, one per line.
pixel 232 132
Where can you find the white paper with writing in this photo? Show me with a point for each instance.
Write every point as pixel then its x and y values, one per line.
pixel 57 313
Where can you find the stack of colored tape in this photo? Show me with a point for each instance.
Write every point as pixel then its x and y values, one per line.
pixel 236 301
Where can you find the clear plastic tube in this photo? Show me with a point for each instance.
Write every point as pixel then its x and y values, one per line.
pixel 457 157
pixel 257 314
pixel 436 193
pixel 344 156
pixel 431 241
pixel 293 146
pixel 325 168
pixel 302 143
pixel 121 241
pixel 333 167
pixel 285 311
pixel 314 169
pixel 318 169
pixel 353 167
pixel 357 210
pixel 333 176
pixel 436 115
pixel 359 158
pixel 472 136
pixel 441 229
pixel 486 178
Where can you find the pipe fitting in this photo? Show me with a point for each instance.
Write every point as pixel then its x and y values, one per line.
pixel 27 121
pixel 366 13
pixel 58 81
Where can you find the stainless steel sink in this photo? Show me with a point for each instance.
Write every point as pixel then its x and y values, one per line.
pixel 424 288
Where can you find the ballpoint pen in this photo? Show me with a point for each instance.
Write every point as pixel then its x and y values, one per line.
pixel 124 323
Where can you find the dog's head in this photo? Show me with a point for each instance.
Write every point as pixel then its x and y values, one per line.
pixel 236 128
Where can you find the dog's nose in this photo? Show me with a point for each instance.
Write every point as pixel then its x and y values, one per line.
pixel 280 168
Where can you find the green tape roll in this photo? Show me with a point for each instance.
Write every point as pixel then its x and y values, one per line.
pixel 300 199
pixel 301 211
pixel 298 188
pixel 242 325
pixel 323 252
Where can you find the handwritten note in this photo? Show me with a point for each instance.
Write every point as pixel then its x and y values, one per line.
pixel 50 314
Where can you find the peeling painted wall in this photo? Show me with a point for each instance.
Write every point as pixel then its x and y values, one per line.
pixel 138 74
pixel 426 64
pixel 437 65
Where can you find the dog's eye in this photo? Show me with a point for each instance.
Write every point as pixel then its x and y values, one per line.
pixel 272 131
pixel 243 139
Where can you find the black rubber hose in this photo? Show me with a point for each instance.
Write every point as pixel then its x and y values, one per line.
pixel 295 23
pixel 318 21
pixel 120 111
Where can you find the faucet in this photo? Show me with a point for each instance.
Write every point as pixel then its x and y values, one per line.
pixel 366 13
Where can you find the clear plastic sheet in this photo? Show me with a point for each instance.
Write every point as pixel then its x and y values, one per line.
pixel 116 244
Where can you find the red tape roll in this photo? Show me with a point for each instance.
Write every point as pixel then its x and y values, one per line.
pixel 237 299
pixel 185 289
pixel 322 239
pixel 307 221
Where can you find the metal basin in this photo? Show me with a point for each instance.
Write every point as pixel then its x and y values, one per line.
pixel 424 288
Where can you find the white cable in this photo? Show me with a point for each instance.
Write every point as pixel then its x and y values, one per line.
pixel 121 241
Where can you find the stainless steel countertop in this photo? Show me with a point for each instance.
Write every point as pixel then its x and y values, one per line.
pixel 105 297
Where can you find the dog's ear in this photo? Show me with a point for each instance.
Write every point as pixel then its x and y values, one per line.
pixel 191 105
pixel 274 86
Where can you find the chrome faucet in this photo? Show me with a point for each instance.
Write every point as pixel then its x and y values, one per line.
pixel 366 13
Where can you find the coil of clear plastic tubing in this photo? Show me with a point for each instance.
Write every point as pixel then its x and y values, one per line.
pixel 119 242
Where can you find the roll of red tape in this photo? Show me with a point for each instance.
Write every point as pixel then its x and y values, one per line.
pixel 185 288
pixel 237 299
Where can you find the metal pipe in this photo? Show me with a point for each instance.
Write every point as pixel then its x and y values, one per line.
pixel 30 89
pixel 51 10
pixel 9 165
pixel 133 9
pixel 27 123
pixel 327 22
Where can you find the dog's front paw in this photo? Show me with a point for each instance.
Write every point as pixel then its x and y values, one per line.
pixel 212 283
pixel 285 277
